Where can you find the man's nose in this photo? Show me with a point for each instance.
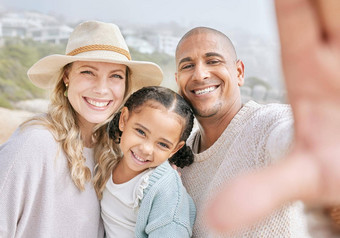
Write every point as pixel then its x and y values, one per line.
pixel 201 72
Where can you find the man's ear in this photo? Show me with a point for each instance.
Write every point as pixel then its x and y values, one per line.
pixel 240 72
pixel 124 116
pixel 178 147
pixel 176 76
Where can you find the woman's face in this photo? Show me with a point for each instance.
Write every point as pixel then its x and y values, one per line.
pixel 95 91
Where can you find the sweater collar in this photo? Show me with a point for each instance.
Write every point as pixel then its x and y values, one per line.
pixel 227 137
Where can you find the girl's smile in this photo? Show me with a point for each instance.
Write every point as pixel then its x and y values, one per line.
pixel 150 136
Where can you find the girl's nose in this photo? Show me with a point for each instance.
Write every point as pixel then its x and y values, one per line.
pixel 147 148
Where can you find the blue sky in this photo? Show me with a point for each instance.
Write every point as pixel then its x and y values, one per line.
pixel 254 16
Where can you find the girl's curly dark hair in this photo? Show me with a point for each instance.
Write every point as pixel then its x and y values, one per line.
pixel 171 101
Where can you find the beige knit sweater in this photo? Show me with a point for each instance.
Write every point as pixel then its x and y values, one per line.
pixel 257 136
pixel 38 198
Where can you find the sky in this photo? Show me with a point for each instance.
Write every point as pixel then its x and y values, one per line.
pixel 254 16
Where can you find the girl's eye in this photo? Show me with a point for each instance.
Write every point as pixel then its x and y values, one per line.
pixel 164 145
pixel 141 132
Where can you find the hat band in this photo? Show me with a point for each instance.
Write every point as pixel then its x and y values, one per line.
pixel 99 47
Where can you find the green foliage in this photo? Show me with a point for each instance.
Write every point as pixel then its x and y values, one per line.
pixel 165 61
pixel 16 57
pixel 4 102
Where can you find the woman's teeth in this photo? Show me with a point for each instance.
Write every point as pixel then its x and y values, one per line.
pixel 97 104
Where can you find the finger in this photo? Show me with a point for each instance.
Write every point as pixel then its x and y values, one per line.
pixel 298 25
pixel 253 196
pixel 329 12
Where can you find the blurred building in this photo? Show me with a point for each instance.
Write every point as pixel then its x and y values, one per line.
pixel 37 26
pixel 139 44
pixel 167 44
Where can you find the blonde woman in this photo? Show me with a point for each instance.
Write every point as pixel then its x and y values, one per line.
pixel 46 167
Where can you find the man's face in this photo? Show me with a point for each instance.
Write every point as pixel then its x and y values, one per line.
pixel 207 76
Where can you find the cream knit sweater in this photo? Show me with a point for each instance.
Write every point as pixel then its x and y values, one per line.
pixel 37 195
pixel 256 137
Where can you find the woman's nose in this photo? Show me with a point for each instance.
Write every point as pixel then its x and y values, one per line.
pixel 101 86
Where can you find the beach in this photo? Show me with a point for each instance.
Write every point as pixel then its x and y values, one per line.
pixel 11 119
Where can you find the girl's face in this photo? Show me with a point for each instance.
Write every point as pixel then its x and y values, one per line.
pixel 95 91
pixel 150 136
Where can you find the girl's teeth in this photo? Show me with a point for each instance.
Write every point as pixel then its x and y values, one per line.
pixel 206 90
pixel 138 158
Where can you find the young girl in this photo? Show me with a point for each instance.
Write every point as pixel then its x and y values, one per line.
pixel 142 195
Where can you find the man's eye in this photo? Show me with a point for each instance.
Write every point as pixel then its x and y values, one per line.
pixel 213 61
pixel 187 66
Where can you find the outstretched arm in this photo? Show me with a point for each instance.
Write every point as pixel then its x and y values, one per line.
pixel 310 40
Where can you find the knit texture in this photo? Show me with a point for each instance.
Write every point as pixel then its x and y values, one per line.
pixel 258 136
pixel 37 195
pixel 166 209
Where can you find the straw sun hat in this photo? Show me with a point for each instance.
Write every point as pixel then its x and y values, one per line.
pixel 95 41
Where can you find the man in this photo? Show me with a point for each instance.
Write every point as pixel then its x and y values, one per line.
pixel 310 42
pixel 232 139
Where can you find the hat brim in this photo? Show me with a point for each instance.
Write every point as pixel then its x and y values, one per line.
pixel 46 71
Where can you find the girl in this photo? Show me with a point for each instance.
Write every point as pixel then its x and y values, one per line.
pixel 142 195
pixel 46 166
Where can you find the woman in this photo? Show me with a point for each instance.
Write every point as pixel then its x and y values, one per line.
pixel 46 167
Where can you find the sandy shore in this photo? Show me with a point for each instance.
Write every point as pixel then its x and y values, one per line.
pixel 10 120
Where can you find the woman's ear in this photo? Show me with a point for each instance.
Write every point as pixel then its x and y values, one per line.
pixel 65 78
pixel 178 147
pixel 124 116
pixel 66 74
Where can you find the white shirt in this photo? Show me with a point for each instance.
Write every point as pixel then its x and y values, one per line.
pixel 120 205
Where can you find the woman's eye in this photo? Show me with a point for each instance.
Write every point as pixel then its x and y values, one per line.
pixel 117 76
pixel 86 72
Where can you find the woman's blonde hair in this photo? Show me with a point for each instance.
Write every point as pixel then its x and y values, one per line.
pixel 61 121
pixel 107 155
